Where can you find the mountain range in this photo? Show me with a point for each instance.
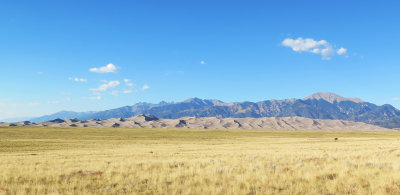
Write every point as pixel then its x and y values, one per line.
pixel 315 106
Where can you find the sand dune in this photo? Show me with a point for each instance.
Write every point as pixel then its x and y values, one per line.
pixel 277 123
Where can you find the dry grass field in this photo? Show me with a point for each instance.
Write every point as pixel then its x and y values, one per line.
pixel 171 161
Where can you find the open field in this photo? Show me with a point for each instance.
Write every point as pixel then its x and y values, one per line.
pixel 177 161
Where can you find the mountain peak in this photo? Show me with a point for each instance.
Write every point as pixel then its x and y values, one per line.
pixel 198 101
pixel 195 99
pixel 331 97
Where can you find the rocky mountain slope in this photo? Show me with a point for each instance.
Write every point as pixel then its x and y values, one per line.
pixel 315 106
pixel 271 123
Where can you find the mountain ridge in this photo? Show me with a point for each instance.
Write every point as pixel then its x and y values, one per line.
pixel 315 106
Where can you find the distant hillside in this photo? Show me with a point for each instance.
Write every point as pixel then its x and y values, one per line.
pixel 315 106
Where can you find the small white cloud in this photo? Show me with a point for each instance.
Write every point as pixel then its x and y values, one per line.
pixel 341 51
pixel 104 81
pixel 40 73
pixel 115 93
pixel 127 91
pixel 110 68
pixel 94 98
pixel 396 99
pixel 130 85
pixel 202 62
pixel 321 47
pixel 82 80
pixel 145 87
pixel 105 87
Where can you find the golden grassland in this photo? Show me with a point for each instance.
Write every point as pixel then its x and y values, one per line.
pixel 178 161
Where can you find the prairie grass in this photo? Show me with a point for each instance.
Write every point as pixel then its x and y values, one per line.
pixel 178 161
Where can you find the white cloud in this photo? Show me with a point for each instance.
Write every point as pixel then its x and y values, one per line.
pixel 128 83
pixel 110 68
pixel 341 51
pixel 40 73
pixel 94 98
pixel 396 99
pixel 322 47
pixel 105 87
pixel 202 62
pixel 127 91
pixel 115 93
pixel 145 87
pixel 78 79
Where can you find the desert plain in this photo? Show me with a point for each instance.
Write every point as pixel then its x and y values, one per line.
pixel 56 160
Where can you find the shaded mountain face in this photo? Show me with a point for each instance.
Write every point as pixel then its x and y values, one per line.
pixel 315 106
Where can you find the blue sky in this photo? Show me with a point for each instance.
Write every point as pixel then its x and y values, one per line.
pixel 226 50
